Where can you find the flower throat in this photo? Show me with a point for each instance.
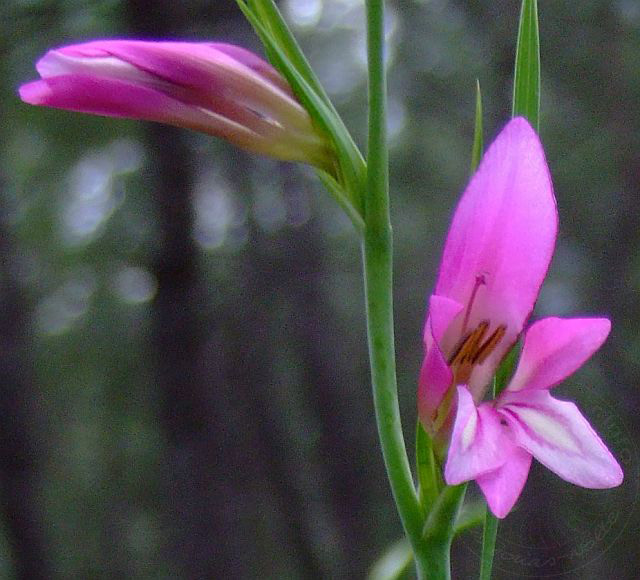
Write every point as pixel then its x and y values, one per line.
pixel 474 348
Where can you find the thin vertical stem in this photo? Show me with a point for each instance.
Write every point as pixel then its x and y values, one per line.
pixel 490 526
pixel 377 257
pixel 489 534
pixel 438 534
pixel 377 196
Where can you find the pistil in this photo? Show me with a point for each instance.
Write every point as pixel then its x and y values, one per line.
pixel 480 281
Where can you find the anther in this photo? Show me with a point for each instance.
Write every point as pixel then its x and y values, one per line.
pixel 468 345
pixel 473 349
pixel 485 350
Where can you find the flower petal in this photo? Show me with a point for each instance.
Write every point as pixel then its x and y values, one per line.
pixel 556 347
pixel 501 239
pixel 434 382
pixel 218 89
pixel 247 58
pixel 435 374
pixel 557 435
pixel 118 98
pixel 479 443
pixel 442 311
pixel 203 69
pixel 503 487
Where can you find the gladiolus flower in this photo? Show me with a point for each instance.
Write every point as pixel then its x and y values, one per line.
pixel 496 256
pixel 218 89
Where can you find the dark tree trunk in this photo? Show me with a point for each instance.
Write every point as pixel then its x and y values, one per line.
pixel 339 406
pixel 21 444
pixel 200 470
pixel 220 438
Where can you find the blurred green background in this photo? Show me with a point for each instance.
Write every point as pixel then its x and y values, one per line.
pixel 185 387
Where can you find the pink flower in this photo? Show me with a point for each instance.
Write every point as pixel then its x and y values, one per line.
pixel 495 259
pixel 219 89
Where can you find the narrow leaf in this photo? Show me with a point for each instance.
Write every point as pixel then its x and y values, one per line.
pixel 429 480
pixel 270 16
pixel 489 534
pixel 351 173
pixel 340 196
pixel 478 140
pixel 506 368
pixel 526 82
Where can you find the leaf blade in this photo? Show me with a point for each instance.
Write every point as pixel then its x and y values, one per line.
pixel 478 139
pixel 526 82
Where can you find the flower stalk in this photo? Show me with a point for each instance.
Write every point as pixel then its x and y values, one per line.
pixel 377 259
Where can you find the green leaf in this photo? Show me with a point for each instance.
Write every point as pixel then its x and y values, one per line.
pixel 478 141
pixel 269 15
pixel 429 478
pixel 526 82
pixel 505 370
pixel 489 534
pixel 333 187
pixel 284 53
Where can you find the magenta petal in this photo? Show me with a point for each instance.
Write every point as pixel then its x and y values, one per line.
pixel 35 93
pixel 502 236
pixel 102 97
pixel 116 98
pixel 203 70
pixel 442 311
pixel 503 487
pixel 217 89
pixel 435 374
pixel 254 62
pixel 479 443
pixel 556 347
pixel 557 435
pixel 435 380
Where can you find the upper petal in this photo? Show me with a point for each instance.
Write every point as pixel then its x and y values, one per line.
pixel 442 311
pixel 557 435
pixel 503 486
pixel 556 347
pixel 435 374
pixel 503 234
pixel 433 384
pixel 210 73
pixel 479 443
pixel 254 62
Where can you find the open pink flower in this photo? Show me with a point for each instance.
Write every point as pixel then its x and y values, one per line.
pixel 495 259
pixel 215 88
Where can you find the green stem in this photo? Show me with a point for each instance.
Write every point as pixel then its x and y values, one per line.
pixel 490 527
pixel 377 257
pixel 377 269
pixel 488 545
pixel 439 530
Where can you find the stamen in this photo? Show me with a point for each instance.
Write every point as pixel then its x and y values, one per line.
pixel 485 350
pixel 480 281
pixel 468 345
pixel 473 350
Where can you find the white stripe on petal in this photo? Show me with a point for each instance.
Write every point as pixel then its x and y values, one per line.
pixel 559 437
pixel 469 432
pixel 547 428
